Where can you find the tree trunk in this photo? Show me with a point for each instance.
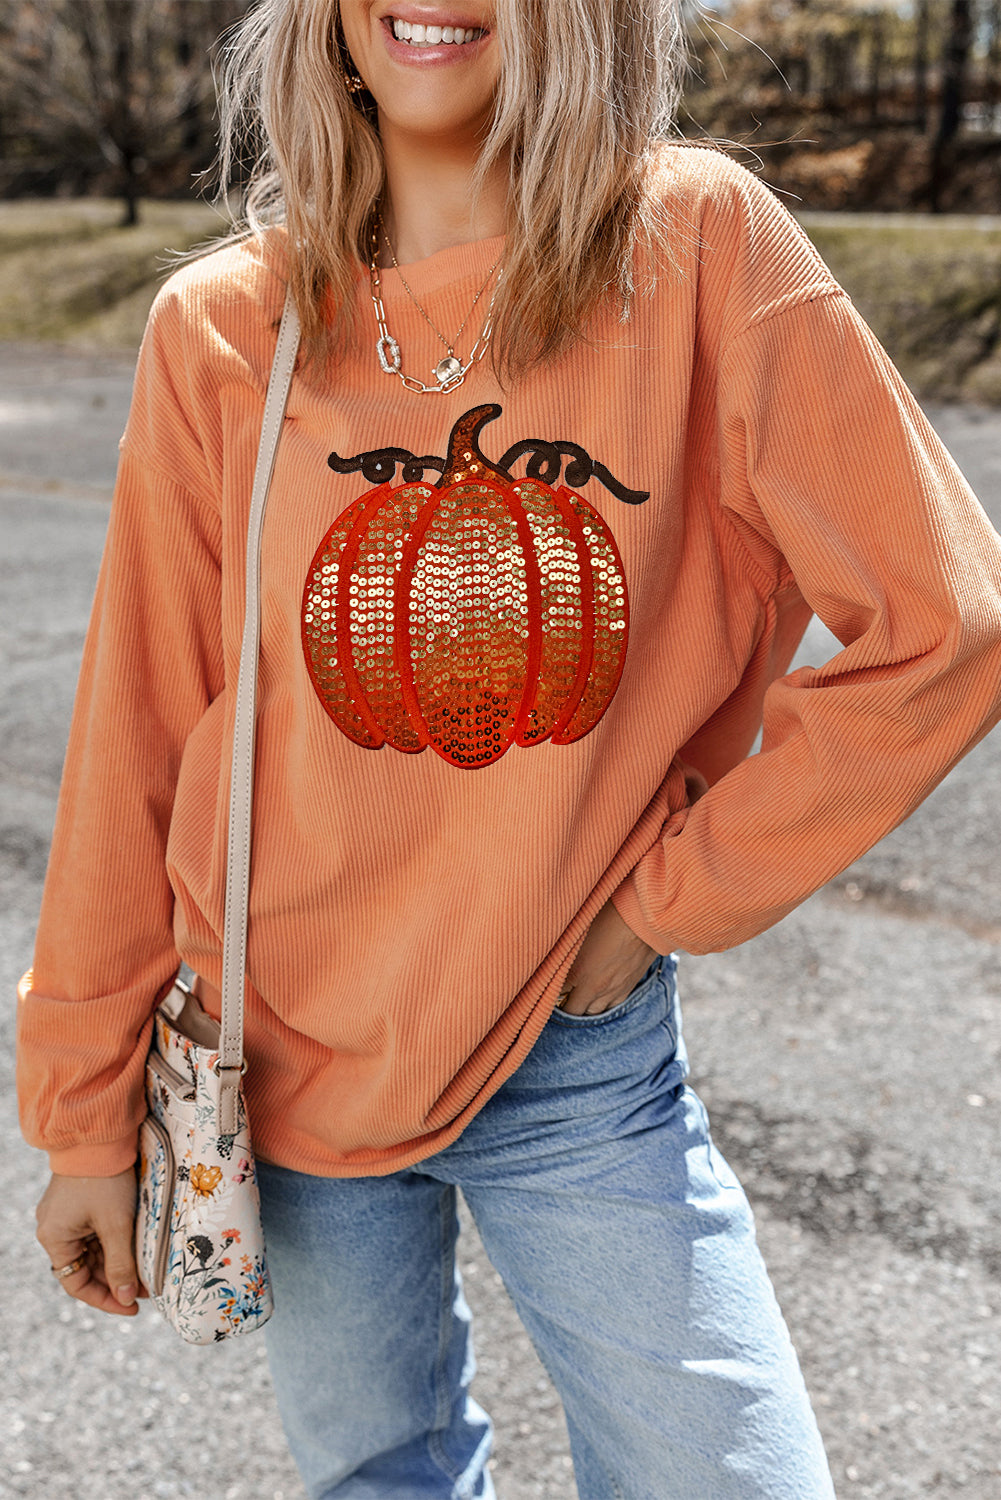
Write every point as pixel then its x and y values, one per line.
pixel 130 191
pixel 921 65
pixel 955 64
pixel 123 125
pixel 876 58
pixel 992 89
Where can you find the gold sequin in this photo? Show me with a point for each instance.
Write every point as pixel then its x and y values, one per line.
pixel 467 618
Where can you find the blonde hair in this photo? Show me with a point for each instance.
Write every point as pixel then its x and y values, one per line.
pixel 587 88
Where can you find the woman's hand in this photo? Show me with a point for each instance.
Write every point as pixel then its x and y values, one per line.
pixel 92 1218
pixel 611 961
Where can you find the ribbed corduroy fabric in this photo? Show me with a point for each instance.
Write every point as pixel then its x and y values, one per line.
pixel 411 920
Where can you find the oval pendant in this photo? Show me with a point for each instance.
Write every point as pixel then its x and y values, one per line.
pixel 388 351
pixel 446 369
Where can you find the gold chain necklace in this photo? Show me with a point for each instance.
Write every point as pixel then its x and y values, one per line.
pixel 449 372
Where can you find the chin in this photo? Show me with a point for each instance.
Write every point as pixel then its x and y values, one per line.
pixel 436 113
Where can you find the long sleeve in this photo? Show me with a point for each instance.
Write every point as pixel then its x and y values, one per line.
pixel 839 489
pixel 152 664
pixel 783 467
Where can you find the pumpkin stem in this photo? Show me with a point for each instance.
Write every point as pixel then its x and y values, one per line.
pixel 465 458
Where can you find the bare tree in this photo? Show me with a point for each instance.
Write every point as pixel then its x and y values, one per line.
pixel 126 80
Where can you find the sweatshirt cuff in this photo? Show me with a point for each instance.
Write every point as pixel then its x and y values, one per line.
pixel 98 1159
pixel 627 905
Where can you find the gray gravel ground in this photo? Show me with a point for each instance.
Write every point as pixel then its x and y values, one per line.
pixel 849 1059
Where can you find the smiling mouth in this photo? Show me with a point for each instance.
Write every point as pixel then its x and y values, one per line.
pixel 433 36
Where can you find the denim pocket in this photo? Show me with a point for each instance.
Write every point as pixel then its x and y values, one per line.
pixel 651 984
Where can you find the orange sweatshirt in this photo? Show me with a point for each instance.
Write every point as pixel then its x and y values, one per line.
pixel 497 656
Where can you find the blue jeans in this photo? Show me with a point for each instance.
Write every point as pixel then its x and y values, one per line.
pixel 628 1248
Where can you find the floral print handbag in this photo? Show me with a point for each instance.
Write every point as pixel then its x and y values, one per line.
pixel 199 1241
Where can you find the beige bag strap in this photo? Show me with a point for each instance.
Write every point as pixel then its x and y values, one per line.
pixel 234 943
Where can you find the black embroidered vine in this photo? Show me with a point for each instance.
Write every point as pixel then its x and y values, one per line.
pixel 546 463
pixel 379 465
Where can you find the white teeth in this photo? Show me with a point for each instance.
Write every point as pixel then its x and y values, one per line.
pixel 432 36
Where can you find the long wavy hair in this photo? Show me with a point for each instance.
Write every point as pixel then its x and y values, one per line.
pixel 587 89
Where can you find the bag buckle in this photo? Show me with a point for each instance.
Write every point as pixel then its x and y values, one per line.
pixel 219 1070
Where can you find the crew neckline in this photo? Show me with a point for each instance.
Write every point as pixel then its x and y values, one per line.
pixel 444 268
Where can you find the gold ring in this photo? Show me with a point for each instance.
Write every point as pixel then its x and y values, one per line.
pixel 71 1269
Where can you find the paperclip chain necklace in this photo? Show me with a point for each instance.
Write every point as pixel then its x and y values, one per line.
pixel 449 372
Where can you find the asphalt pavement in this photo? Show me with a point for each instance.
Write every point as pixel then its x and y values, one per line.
pixel 849 1059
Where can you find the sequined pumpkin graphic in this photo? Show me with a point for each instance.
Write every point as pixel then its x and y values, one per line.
pixel 470 615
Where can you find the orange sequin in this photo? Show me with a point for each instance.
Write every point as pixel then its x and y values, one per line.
pixel 468 616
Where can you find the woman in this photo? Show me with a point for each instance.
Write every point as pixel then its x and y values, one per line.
pixel 523 615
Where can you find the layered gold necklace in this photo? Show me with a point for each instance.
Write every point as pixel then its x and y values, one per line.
pixel 451 370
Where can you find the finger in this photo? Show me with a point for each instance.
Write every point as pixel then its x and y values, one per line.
pixel 109 1275
pixel 578 1002
pixel 118 1266
pixel 99 1270
pixel 85 1284
pixel 586 1000
pixel 63 1252
pixel 100 1275
pixel 85 1287
pixel 565 1000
